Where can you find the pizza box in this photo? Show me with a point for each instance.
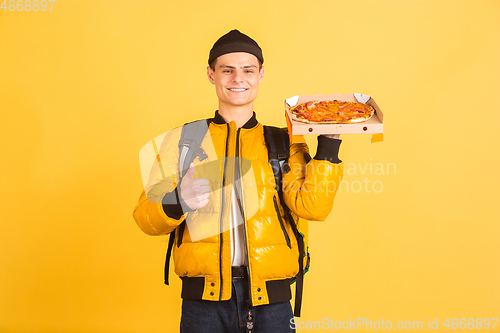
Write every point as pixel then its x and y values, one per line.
pixel 374 125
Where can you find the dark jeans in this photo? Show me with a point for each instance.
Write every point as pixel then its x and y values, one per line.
pixel 231 316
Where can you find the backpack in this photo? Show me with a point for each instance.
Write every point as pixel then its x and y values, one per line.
pixel 277 143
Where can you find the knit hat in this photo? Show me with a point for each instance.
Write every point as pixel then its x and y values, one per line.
pixel 235 41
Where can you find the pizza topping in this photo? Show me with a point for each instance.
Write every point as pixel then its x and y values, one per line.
pixel 335 111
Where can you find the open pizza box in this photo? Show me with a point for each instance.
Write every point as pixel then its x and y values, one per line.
pixel 374 125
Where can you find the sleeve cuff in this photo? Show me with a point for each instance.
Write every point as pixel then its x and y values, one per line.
pixel 174 206
pixel 328 149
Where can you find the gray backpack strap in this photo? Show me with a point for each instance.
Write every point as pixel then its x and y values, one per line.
pixel 192 135
pixel 190 144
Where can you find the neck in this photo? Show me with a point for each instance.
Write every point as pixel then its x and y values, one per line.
pixel 239 114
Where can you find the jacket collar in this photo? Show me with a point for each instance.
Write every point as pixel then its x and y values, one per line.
pixel 252 122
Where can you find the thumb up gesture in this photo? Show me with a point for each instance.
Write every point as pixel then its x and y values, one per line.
pixel 194 192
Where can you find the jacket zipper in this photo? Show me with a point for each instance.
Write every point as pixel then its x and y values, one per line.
pixel 281 223
pixel 240 197
pixel 221 215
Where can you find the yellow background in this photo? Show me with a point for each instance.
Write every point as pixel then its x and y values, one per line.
pixel 83 87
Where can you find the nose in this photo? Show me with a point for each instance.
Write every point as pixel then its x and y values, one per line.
pixel 238 76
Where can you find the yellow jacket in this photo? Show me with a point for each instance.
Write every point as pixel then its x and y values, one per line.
pixel 238 156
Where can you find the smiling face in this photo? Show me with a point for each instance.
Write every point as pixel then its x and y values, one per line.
pixel 236 78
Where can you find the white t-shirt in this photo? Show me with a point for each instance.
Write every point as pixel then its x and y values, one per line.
pixel 238 248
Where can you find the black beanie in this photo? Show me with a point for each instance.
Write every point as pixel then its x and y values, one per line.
pixel 235 41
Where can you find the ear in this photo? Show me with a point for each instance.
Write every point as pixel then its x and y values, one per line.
pixel 261 74
pixel 210 74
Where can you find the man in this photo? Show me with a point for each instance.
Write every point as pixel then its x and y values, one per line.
pixel 237 255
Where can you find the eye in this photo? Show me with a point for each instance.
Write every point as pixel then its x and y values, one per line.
pixel 249 71
pixel 226 71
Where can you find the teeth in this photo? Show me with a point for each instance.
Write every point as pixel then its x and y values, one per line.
pixel 235 89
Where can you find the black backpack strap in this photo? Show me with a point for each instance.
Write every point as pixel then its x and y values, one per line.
pixel 277 143
pixel 169 254
pixel 299 278
pixel 278 147
pixel 192 135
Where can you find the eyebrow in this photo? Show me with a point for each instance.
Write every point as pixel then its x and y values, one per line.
pixel 228 66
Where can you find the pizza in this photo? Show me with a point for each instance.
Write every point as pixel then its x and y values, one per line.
pixel 331 112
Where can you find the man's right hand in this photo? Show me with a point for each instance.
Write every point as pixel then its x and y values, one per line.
pixel 194 192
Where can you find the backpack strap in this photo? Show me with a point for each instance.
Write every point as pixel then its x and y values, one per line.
pixel 277 143
pixel 278 147
pixel 190 144
pixel 169 254
pixel 192 135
